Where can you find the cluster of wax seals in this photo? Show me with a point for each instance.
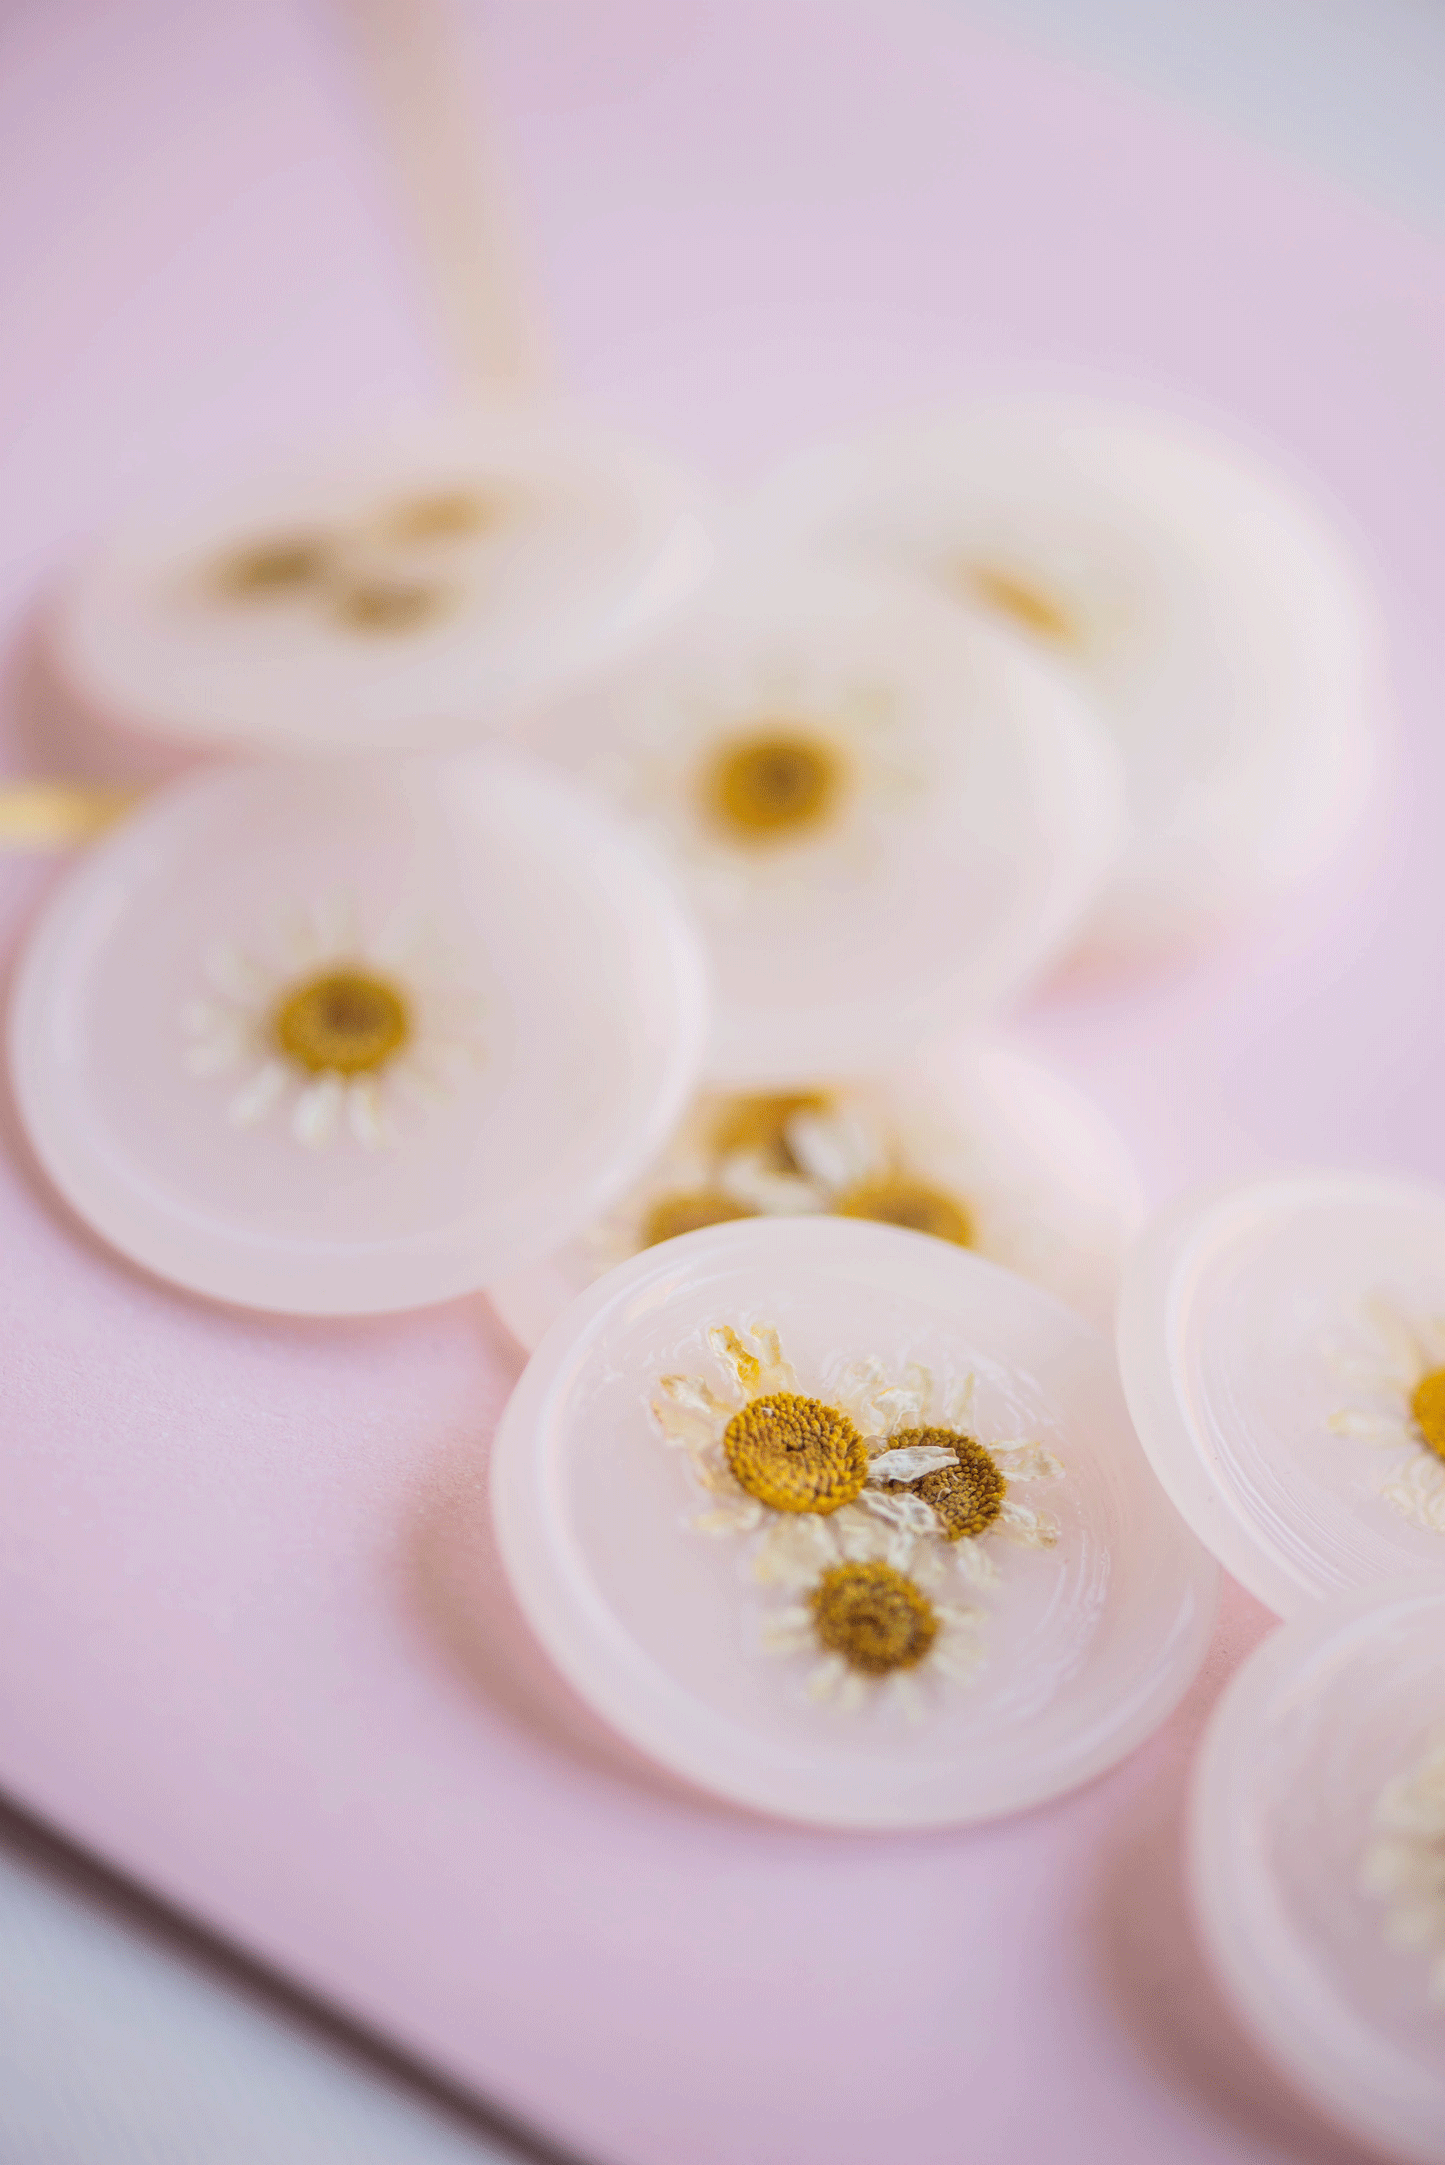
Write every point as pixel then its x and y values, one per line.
pixel 618 920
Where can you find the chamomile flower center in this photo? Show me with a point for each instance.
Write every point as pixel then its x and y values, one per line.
pixel 281 564
pixel 390 605
pixel 775 785
pixel 795 1453
pixel 447 515
pixel 896 1200
pixel 688 1211
pixel 759 1125
pixel 1428 1408
pixel 874 1616
pixel 345 1022
pixel 1031 607
pixel 966 1497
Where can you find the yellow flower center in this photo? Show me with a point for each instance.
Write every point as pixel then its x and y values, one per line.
pixel 688 1212
pixel 760 1124
pixel 343 1023
pixel 774 786
pixel 966 1498
pixel 874 1616
pixel 390 605
pixel 277 566
pixel 896 1200
pixel 447 515
pixel 796 1454
pixel 1030 606
pixel 1428 1407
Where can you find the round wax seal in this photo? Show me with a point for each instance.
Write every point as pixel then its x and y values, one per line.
pixel 1318 1858
pixel 1214 619
pixel 354 1036
pixel 1283 1350
pixel 887 816
pixel 980 1146
pixel 406 593
pixel 846 1524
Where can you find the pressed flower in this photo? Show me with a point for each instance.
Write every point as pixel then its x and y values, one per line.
pixel 687 1211
pixel 391 569
pixel 923 1442
pixel 787 778
pixel 342 1031
pixel 390 605
pixel 280 564
pixel 759 1124
pixel 848 1151
pixel 897 1200
pixel 1023 599
pixel 442 515
pixel 1402 1376
pixel 868 1612
pixel 877 1618
pixel 1404 1865
pixel 865 1452
pixel 775 782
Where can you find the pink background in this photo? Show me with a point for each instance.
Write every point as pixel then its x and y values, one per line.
pixel 255 1648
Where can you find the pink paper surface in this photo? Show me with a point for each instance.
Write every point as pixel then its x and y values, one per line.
pixel 255 1646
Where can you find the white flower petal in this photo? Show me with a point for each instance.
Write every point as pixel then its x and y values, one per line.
pixel 223 1048
pixel 1025 1461
pixel 738 1514
pixel 318 1112
pixel 827 1679
pixel 907 1695
pixel 748 1180
pixel 1371 1428
pixel 790 1631
pixel 900 1406
pixel 1032 1529
pixel 796 1550
pixel 835 1150
pixel 958 1406
pixel 898 1509
pixel 910 1464
pixel 255 1099
pixel 239 976
pixel 973 1562
pixel 366 1115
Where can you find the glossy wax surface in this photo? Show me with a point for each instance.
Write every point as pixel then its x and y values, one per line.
pixel 265 1659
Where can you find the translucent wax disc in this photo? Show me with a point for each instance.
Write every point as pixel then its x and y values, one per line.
pixel 1214 618
pixel 724 1489
pixel 1278 1342
pixel 979 1146
pixel 1318 1849
pixel 353 1036
pixel 405 593
pixel 887 815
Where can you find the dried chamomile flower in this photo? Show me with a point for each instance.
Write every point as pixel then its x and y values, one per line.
pixel 866 1451
pixel 876 1629
pixel 1402 1379
pixel 339 1029
pixel 1404 1864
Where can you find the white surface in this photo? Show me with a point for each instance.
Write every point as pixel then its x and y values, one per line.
pixel 585 542
pixel 1323 1715
pixel 1087 1645
pixel 124 2042
pixel 1254 1322
pixel 590 1020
